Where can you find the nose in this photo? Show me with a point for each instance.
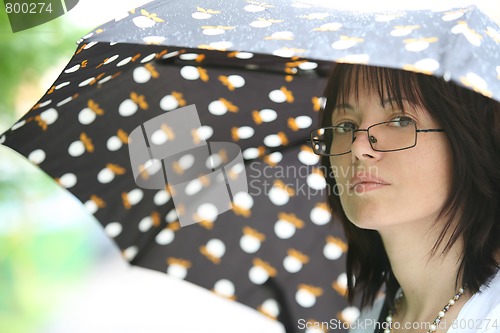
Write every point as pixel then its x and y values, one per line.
pixel 361 148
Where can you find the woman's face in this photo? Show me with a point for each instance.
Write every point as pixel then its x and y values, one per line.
pixel 383 189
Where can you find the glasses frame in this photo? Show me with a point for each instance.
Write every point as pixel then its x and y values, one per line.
pixel 371 137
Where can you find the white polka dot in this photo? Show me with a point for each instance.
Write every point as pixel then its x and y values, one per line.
pixel 356 59
pixel 250 153
pixel 254 8
pixel 308 157
pixel 332 251
pixel 477 81
pixel 283 35
pixel 272 140
pixel 260 24
pixel 141 75
pixel 143 22
pixel 452 16
pixel 37 156
pixel 89 45
pixel 284 53
pixel 205 132
pixel 316 181
pixel 224 287
pixel 201 16
pixel 148 58
pixel 177 271
pixel 86 82
pixel 114 143
pixel 277 96
pixel 189 56
pixel 237 169
pixel 350 314
pixel 168 103
pixel 332 26
pixel 245 132
pixel 244 55
pixel 171 216
pixel 217 108
pixel 186 161
pixel 2 139
pixel 221 45
pixel 65 101
pixel 236 80
pixel 271 307
pixel 127 108
pixel 303 121
pixel 165 237
pixel 258 275
pixel 275 157
pixel 190 73
pixel 284 229
pixel 249 244
pixel 105 176
pixel 18 125
pixel 427 64
pixel 113 229
pixel 161 198
pixel 153 166
pixel 72 69
pixel 417 46
pixel 268 115
pixel 91 206
pixel 307 66
pixel 135 196
pixel 106 79
pixel 193 187
pixel 76 148
pixel 213 31
pixel 291 264
pixel 123 62
pixel 62 85
pixel 344 44
pixel 130 253
pixel 145 224
pixel 342 280
pixel 400 32
pixel 49 116
pixel 216 247
pixel 207 211
pixel 320 216
pixel 86 116
pixel 111 59
pixel 45 103
pixel 68 180
pixel 213 161
pixel 305 298
pixel 153 39
pixel 159 137
pixel 243 200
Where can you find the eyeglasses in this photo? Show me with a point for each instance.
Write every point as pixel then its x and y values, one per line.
pixel 387 136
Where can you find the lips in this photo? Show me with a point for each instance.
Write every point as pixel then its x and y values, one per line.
pixel 364 181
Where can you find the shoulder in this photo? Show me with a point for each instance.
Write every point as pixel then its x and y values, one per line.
pixel 482 312
pixel 368 317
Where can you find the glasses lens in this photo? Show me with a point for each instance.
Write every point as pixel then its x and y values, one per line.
pixel 331 140
pixel 393 135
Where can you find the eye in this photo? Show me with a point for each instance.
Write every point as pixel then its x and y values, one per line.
pixel 345 127
pixel 401 121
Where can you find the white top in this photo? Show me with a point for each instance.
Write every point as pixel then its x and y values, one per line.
pixel 481 313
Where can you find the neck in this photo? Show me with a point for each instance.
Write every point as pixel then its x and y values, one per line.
pixel 428 280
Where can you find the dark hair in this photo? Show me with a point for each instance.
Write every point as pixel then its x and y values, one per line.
pixel 472 124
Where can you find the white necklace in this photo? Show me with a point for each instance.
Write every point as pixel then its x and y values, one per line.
pixel 436 321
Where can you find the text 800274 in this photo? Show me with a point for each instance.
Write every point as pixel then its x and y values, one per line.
pixel 28 7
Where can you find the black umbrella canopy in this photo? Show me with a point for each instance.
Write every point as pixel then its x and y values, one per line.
pixel 254 72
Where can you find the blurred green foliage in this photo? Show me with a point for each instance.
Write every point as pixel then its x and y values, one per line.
pixel 40 258
pixel 27 54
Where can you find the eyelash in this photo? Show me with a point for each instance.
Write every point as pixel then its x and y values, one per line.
pixel 393 117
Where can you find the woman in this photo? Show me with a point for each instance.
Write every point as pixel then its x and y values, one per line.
pixel 415 179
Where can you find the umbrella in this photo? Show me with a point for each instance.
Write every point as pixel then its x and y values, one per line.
pixel 246 79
